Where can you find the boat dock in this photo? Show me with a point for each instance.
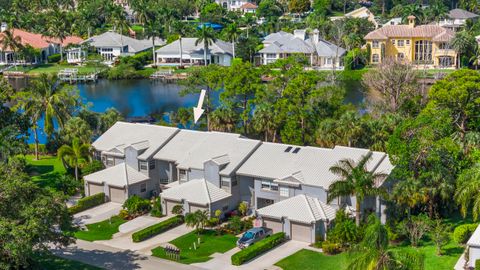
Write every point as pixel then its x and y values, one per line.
pixel 71 75
pixel 168 76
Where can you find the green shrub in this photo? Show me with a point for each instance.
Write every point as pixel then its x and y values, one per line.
pixel 157 208
pixel 87 203
pixel 54 58
pixel 331 248
pixel 462 233
pixel 67 184
pixel 136 205
pixel 258 248
pixel 157 229
pixel 42 149
pixel 91 167
pixel 477 265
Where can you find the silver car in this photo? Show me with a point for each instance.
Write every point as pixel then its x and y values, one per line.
pixel 252 236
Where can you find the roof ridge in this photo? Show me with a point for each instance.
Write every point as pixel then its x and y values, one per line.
pixel 309 206
pixel 208 192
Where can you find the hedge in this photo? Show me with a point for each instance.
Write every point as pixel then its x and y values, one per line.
pixel 54 58
pixel 87 203
pixel 257 248
pixel 462 233
pixel 477 265
pixel 157 229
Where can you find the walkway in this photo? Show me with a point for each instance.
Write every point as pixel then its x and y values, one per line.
pixel 97 214
pixel 112 258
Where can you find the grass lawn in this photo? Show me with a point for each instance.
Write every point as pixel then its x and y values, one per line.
pixel 53 69
pixel 51 262
pixel 45 170
pixel 210 243
pixel 311 260
pixel 103 230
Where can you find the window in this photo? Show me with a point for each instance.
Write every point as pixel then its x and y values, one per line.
pixel 328 61
pixel 151 164
pixel 182 175
pixel 143 165
pixel 375 58
pixel 234 182
pixel 143 187
pixel 375 44
pixel 225 208
pixel 445 61
pixel 400 43
pixel 271 55
pixel 284 192
pixel 444 46
pixel 110 161
pixel 393 41
pixel 423 52
pixel 269 185
pixel 225 184
pixel 400 56
pixel 407 42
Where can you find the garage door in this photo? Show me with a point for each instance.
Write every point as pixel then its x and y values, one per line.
pixel 169 206
pixel 94 188
pixel 301 232
pixel 117 194
pixel 194 208
pixel 274 224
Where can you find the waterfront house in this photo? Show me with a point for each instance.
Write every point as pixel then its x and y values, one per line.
pixel 219 52
pixel 243 6
pixel 457 18
pixel 320 53
pixel 362 12
pixel 426 46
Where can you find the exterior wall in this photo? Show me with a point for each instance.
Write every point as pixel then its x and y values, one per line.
pixel 224 205
pixel 163 170
pixel 211 173
pixel 135 189
pixel 246 189
pixel 474 254
pixel 195 174
pixel 131 157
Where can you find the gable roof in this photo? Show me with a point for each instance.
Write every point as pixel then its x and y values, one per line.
pixel 198 191
pixel 119 175
pixel 249 5
pixel 437 33
pixel 474 240
pixel 39 41
pixel 308 166
pixel 461 14
pixel 113 39
pixel 191 149
pixel 143 137
pixel 301 208
pixel 189 47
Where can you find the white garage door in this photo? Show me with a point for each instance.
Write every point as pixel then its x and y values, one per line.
pixel 94 188
pixel 274 224
pixel 194 208
pixel 169 206
pixel 117 194
pixel 301 232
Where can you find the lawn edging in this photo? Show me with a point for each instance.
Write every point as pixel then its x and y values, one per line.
pixel 157 229
pixel 258 248
pixel 87 203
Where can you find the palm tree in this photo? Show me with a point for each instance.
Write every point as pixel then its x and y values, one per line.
pixel 153 30
pixel 232 32
pixel 47 98
pixel 374 253
pixel 57 27
pixel 207 36
pixel 181 29
pixel 13 43
pixel 355 180
pixel 468 191
pixel 197 220
pixel 74 155
pixel 118 18
pixel 463 42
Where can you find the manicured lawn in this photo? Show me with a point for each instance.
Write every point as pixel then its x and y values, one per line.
pixel 311 260
pixel 45 170
pixel 54 69
pixel 103 230
pixel 210 243
pixel 51 262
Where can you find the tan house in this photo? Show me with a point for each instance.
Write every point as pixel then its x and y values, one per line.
pixel 424 45
pixel 362 12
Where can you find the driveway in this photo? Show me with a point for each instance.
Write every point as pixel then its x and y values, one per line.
pixel 266 260
pixel 138 223
pixel 97 214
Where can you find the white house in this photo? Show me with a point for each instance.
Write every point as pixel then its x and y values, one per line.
pixel 456 18
pixel 320 53
pixel 220 52
pixel 471 254
pixel 237 5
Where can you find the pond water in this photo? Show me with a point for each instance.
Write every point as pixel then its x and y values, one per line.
pixel 136 98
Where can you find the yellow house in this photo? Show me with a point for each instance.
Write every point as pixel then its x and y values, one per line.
pixel 424 45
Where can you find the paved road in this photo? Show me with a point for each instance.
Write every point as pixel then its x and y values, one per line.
pixel 112 258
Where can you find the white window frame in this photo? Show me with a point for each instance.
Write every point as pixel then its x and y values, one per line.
pixel 143 187
pixel 143 166
pixel 400 43
pixel 269 185
pixel 375 58
pixel 375 44
pixel 110 161
pixel 181 173
pixel 284 191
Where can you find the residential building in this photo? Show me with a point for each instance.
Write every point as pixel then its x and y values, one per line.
pixel 362 12
pixel 471 254
pixel 285 186
pixel 45 46
pixel 219 52
pixel 237 5
pixel 320 53
pixel 457 18
pixel 111 45
pixel 394 21
pixel 426 46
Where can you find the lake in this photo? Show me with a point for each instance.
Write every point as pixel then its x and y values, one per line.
pixel 145 97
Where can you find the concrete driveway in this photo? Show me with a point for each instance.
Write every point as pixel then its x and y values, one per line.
pixel 266 260
pixel 138 223
pixel 97 214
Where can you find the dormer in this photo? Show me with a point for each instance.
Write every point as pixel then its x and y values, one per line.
pixel 212 168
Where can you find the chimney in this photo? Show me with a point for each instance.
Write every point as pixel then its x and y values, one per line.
pixel 300 33
pixel 3 27
pixel 411 21
pixel 316 36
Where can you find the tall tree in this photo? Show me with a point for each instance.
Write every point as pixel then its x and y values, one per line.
pixel 58 27
pixel 232 33
pixel 205 35
pixel 463 43
pixel 181 29
pixel 355 180
pixel 11 42
pixel 74 155
pixel 467 193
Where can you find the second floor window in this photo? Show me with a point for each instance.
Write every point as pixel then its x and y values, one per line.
pixel 151 164
pixel 444 46
pixel 182 175
pixel 269 185
pixel 284 192
pixel 143 165
pixel 110 161
pixel 400 43
pixel 375 44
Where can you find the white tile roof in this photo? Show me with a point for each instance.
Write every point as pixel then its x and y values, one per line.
pixel 191 149
pixel 119 175
pixel 189 47
pixel 474 240
pixel 301 208
pixel 145 137
pixel 309 166
pixel 111 39
pixel 198 191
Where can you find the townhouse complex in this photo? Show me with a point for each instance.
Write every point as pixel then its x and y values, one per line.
pixel 286 186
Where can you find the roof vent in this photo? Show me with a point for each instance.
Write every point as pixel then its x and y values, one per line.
pixel 296 150
pixel 288 149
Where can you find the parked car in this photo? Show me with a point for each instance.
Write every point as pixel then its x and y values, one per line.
pixel 252 236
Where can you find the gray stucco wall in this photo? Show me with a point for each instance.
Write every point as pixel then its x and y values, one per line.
pixel 195 174
pixel 134 189
pixel 163 170
pixel 131 157
pixel 211 173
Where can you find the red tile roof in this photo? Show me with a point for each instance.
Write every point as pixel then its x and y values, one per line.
pixel 39 41
pixel 249 5
pixel 437 33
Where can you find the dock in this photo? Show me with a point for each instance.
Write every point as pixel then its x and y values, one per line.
pixel 71 76
pixel 168 76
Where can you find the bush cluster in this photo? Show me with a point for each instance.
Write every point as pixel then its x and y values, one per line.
pixel 87 203
pixel 258 248
pixel 54 58
pixel 462 233
pixel 331 248
pixel 236 225
pixel 136 206
pixel 157 228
